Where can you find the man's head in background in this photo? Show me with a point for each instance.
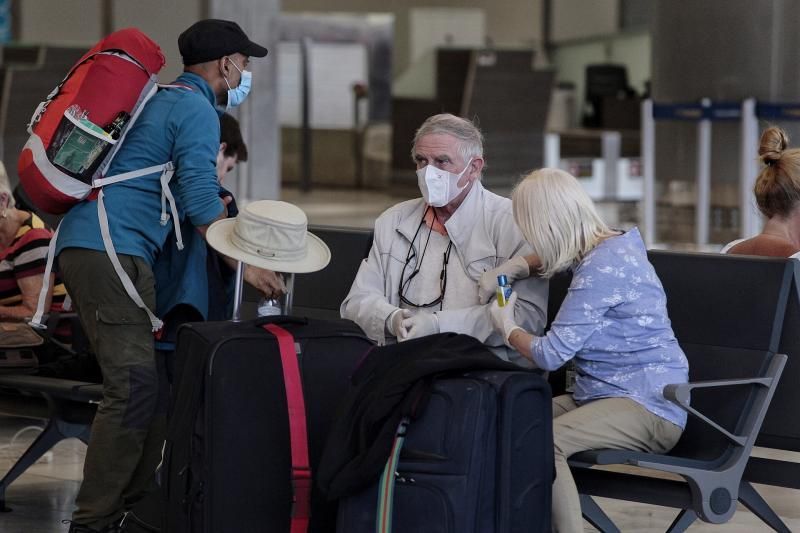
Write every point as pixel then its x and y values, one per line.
pixel 232 148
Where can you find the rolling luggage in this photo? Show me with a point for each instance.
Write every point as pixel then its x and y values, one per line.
pixel 235 451
pixel 479 459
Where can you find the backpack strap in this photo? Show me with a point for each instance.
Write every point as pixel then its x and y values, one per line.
pixel 167 172
pixel 123 276
pixel 298 433
pixel 125 176
pixel 166 196
pixel 105 232
pixel 36 321
pixel 148 91
pixel 167 169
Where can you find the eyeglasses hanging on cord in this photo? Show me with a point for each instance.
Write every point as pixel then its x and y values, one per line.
pixel 403 286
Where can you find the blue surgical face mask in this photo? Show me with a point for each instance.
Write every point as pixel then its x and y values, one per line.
pixel 237 95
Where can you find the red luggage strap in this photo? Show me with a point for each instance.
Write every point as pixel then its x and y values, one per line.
pixel 298 433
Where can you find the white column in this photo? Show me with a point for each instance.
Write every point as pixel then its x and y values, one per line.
pixel 648 217
pixel 612 147
pixel 751 219
pixel 703 201
pixel 259 178
pixel 552 150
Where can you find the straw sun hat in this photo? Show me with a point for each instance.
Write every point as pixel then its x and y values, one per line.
pixel 270 234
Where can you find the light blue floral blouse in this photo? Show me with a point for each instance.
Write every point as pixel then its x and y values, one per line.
pixel 614 323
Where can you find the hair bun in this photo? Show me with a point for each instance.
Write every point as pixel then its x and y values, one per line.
pixel 773 142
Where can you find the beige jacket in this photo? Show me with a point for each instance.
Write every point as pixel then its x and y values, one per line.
pixel 484 236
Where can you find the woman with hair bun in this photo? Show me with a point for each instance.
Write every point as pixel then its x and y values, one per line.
pixel 777 192
pixel 612 324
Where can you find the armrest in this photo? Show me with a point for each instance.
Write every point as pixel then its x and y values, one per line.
pixel 50 322
pixel 680 394
pixel 52 318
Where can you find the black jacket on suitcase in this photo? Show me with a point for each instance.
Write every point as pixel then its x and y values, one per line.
pixel 227 459
pixel 478 459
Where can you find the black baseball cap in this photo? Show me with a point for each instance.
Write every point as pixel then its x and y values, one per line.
pixel 210 39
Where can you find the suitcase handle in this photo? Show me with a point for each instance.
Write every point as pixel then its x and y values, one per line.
pixel 408 454
pixel 281 319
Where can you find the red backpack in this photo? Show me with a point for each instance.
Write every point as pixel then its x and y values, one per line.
pixel 77 130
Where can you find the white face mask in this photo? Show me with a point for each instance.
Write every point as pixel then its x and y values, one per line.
pixel 439 187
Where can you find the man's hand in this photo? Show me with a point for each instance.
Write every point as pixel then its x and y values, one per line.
pixel 514 269
pixel 266 281
pixel 503 318
pixel 394 323
pixel 420 325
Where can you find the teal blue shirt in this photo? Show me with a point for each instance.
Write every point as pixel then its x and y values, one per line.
pixel 178 125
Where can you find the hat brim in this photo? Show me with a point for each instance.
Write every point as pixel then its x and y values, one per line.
pixel 253 50
pixel 317 253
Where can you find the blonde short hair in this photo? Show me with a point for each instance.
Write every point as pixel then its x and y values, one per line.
pixel 557 218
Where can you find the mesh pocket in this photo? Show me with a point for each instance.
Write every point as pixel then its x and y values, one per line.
pixel 78 147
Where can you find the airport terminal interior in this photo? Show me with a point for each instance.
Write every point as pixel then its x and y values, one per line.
pixel 656 107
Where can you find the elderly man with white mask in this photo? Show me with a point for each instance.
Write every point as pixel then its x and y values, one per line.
pixel 428 254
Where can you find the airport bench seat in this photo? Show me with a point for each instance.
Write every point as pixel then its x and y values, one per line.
pixel 69 407
pixel 728 314
pixel 712 484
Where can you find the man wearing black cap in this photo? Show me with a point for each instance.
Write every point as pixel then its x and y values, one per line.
pixel 218 50
pixel 179 124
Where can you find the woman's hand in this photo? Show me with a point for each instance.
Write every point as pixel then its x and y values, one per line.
pixel 503 318
pixel 29 287
pixel 514 269
pixel 514 336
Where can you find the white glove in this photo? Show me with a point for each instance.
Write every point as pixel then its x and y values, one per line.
pixel 503 318
pixel 421 325
pixel 394 323
pixel 514 269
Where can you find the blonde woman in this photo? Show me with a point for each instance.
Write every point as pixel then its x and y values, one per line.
pixel 613 325
pixel 24 239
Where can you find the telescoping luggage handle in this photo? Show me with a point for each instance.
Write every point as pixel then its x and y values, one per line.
pixel 298 432
pixel 239 291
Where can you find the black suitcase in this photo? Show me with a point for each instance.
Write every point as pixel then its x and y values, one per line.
pixel 478 460
pixel 227 457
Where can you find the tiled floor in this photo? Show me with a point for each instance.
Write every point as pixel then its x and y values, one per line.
pixel 43 496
